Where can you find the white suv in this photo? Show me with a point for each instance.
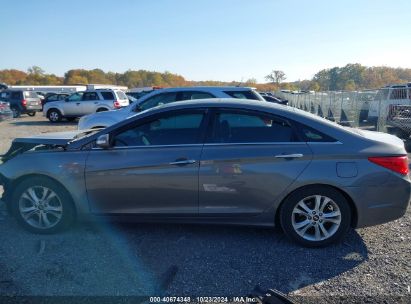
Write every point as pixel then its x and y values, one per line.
pixel 83 103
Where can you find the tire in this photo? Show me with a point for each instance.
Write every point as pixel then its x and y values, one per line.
pixel 31 114
pixel 16 112
pixel 101 110
pixel 57 209
pixel 332 214
pixel 54 115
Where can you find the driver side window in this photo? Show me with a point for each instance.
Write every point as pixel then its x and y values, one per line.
pixel 76 96
pixel 176 129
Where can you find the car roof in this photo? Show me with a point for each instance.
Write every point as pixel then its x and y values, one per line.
pixel 206 88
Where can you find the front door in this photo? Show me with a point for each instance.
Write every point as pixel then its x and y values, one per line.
pixel 248 160
pixel 72 105
pixel 152 168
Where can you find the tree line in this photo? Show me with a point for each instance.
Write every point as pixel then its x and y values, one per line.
pixel 350 77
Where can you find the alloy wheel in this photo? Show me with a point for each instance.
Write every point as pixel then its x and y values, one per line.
pixel 54 116
pixel 40 207
pixel 316 218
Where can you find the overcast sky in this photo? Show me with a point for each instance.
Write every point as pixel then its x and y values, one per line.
pixel 204 39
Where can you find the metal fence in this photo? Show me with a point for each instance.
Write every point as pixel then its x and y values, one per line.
pixel 385 110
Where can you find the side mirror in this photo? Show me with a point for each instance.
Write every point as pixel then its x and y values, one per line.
pixel 103 141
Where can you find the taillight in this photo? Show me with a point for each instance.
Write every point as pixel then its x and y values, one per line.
pixel 24 102
pixel 116 104
pixel 397 164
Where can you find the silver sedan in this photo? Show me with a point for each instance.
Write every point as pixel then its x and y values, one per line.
pixel 212 161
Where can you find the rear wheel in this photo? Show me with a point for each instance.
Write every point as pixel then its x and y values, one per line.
pixel 31 114
pixel 315 216
pixel 42 205
pixel 54 115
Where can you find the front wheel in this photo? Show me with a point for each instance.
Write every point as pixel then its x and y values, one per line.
pixel 54 115
pixel 316 216
pixel 42 206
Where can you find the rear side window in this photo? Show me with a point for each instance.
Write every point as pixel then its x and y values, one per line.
pixel 107 95
pixel 246 94
pixel 311 135
pixel 121 95
pixel 90 96
pixel 15 95
pixel 195 95
pixel 244 127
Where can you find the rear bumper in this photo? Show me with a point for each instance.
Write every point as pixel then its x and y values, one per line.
pixel 33 108
pixel 380 204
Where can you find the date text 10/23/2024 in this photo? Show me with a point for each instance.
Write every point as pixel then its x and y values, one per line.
pixel 240 299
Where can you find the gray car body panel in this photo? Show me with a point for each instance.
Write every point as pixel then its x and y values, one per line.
pixel 237 183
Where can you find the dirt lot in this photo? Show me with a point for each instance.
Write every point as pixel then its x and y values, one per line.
pixel 372 264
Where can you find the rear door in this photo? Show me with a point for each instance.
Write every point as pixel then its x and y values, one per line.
pixel 249 159
pixel 89 103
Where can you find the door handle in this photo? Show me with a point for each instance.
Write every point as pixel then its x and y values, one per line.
pixel 295 155
pixel 183 162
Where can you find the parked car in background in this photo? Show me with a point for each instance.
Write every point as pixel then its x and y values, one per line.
pixel 274 99
pixel 21 102
pixel 230 162
pixel 164 96
pixel 386 97
pixel 140 92
pixel 399 121
pixel 83 103
pixel 5 111
pixel 54 97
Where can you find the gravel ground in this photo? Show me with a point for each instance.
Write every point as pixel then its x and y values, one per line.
pixel 107 259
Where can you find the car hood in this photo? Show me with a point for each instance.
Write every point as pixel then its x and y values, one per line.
pixel 46 141
pixel 50 138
